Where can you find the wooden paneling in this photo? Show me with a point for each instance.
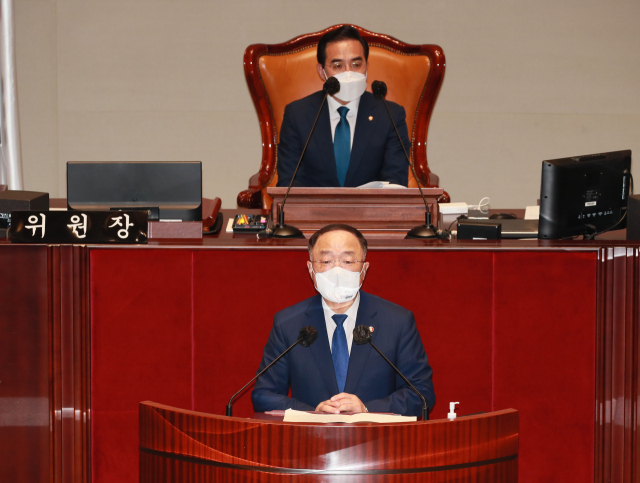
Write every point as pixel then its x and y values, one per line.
pixel 45 327
pixel 69 362
pixel 375 212
pixel 44 366
pixel 185 446
pixel 617 375
pixel 24 364
pixel 497 340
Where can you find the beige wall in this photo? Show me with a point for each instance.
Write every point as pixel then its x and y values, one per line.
pixel 526 80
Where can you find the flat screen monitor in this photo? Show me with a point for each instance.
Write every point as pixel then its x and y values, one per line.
pixel 170 191
pixel 584 195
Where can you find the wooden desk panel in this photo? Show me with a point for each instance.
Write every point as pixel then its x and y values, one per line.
pixel 185 446
pixel 25 396
pixel 609 272
pixel 382 213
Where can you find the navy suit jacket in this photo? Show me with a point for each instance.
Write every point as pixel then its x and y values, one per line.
pixel 309 372
pixel 376 153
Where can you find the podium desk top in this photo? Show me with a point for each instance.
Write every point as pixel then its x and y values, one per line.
pixel 242 241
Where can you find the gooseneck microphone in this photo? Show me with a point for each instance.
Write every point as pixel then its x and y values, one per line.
pixel 427 230
pixel 331 86
pixel 307 336
pixel 361 336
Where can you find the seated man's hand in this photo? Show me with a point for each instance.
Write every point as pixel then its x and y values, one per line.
pixel 342 403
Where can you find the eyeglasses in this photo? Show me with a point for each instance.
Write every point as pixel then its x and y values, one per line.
pixel 329 264
pixel 357 66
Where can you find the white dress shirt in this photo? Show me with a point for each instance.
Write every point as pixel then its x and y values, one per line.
pixel 334 116
pixel 348 324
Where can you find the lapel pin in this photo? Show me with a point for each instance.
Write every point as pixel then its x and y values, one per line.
pixel 371 329
pixel 370 118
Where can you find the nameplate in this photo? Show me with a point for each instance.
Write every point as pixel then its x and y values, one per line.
pixel 78 227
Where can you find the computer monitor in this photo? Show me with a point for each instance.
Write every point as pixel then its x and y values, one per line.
pixel 584 195
pixel 170 191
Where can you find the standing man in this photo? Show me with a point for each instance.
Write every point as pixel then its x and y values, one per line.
pixel 354 141
pixel 334 375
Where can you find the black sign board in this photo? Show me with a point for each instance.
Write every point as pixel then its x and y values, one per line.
pixel 79 227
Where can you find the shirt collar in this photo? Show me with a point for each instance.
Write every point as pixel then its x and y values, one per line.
pixel 334 105
pixel 352 312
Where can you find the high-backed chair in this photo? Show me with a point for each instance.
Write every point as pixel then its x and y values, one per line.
pixel 278 74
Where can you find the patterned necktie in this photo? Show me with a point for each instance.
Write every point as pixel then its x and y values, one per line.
pixel 340 351
pixel 342 145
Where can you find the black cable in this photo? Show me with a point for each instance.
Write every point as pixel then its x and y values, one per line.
pixel 461 217
pixel 591 237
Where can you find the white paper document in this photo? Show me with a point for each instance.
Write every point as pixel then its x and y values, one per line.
pixel 381 184
pixel 293 416
pixel 453 208
pixel 532 213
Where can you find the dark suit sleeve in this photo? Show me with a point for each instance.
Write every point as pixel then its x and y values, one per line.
pixel 412 361
pixel 395 168
pixel 289 149
pixel 272 388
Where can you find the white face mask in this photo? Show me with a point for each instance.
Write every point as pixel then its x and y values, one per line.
pixel 338 285
pixel 352 85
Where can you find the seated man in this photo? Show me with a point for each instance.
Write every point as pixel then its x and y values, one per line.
pixel 354 141
pixel 335 375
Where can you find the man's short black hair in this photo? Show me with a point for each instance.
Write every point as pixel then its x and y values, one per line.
pixel 339 227
pixel 346 32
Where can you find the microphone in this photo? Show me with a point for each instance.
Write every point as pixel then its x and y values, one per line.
pixel 427 230
pixel 361 336
pixel 306 337
pixel 331 86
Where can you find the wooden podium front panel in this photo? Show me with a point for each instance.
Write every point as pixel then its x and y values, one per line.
pixel 375 212
pixel 185 446
pixel 194 323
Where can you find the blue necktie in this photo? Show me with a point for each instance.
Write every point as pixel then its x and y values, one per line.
pixel 342 145
pixel 340 351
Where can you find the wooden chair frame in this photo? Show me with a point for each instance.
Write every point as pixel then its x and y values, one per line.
pixel 255 196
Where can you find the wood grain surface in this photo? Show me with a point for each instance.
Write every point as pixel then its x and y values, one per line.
pixel 47 363
pixel 187 446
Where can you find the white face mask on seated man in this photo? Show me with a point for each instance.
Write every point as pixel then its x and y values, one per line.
pixel 352 85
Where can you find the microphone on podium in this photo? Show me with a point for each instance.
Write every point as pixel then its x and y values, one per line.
pixel 427 230
pixel 361 336
pixel 331 86
pixel 306 337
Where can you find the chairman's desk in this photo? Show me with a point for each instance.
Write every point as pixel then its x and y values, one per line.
pixel 547 328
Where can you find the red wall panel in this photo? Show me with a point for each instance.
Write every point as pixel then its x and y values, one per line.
pixel 236 295
pixel 450 297
pixel 186 328
pixel 545 337
pixel 141 331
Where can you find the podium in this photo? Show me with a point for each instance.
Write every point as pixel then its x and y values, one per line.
pixel 178 445
pixel 384 212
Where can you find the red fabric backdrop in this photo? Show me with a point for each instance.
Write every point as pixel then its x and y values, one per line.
pixel 501 329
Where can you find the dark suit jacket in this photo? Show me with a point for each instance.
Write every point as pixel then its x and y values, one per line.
pixel 376 154
pixel 309 370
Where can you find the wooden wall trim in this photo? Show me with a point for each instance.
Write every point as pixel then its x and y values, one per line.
pixel 616 399
pixel 616 408
pixel 69 363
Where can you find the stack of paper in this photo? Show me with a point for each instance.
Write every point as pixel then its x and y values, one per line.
pixel 381 185
pixel 293 416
